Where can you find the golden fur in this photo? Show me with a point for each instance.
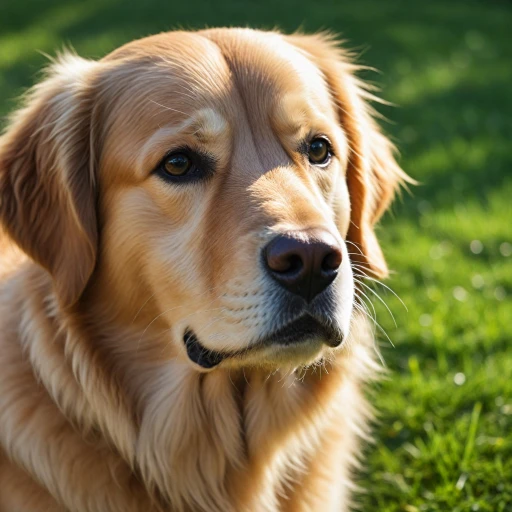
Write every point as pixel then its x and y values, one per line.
pixel 104 265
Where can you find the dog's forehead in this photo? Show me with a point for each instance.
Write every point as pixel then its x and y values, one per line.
pixel 266 64
pixel 179 66
pixel 186 71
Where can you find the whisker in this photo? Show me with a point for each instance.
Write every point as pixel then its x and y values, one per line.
pixel 376 323
pixel 142 307
pixel 356 246
pixel 361 270
pixel 378 297
pixel 390 289
pixel 169 108
pixel 375 348
pixel 369 300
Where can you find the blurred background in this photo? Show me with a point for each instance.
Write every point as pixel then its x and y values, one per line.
pixel 443 441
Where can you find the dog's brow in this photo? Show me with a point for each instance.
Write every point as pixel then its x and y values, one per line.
pixel 205 125
pixel 292 115
pixel 295 118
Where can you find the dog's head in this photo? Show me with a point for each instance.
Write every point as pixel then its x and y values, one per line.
pixel 224 182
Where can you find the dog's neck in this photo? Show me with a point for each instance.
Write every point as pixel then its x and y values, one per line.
pixel 182 431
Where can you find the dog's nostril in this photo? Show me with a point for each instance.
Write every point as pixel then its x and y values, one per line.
pixel 332 260
pixel 294 264
pixel 282 256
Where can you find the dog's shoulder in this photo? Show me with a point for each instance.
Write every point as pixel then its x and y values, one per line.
pixel 11 258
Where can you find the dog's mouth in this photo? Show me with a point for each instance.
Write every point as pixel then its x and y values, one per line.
pixel 201 355
pixel 299 331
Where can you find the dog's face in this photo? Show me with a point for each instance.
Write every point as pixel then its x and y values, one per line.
pixel 217 176
pixel 230 180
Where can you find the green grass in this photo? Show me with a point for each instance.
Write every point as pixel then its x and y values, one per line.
pixel 444 438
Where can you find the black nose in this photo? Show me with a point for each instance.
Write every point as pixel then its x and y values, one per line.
pixel 304 262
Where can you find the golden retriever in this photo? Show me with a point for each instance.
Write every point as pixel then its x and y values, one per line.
pixel 182 224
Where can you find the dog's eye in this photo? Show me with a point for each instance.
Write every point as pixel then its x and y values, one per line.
pixel 186 166
pixel 319 151
pixel 177 164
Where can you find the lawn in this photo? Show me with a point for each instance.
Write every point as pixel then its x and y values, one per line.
pixel 444 436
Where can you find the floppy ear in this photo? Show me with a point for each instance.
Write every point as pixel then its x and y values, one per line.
pixel 373 174
pixel 47 192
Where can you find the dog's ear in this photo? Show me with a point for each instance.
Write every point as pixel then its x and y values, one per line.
pixel 47 184
pixel 373 174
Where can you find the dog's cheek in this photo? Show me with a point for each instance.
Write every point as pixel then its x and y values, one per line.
pixel 173 266
pixel 345 291
pixel 341 207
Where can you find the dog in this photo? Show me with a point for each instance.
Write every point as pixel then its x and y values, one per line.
pixel 184 223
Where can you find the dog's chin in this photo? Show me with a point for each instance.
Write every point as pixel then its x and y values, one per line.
pixel 299 343
pixel 282 356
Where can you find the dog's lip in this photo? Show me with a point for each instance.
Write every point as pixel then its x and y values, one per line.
pixel 199 354
pixel 299 330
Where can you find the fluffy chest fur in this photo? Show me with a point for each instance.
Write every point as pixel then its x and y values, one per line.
pixel 216 441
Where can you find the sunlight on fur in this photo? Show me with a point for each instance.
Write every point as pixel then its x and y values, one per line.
pixel 187 226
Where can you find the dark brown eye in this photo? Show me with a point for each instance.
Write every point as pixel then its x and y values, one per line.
pixel 319 151
pixel 184 166
pixel 177 164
